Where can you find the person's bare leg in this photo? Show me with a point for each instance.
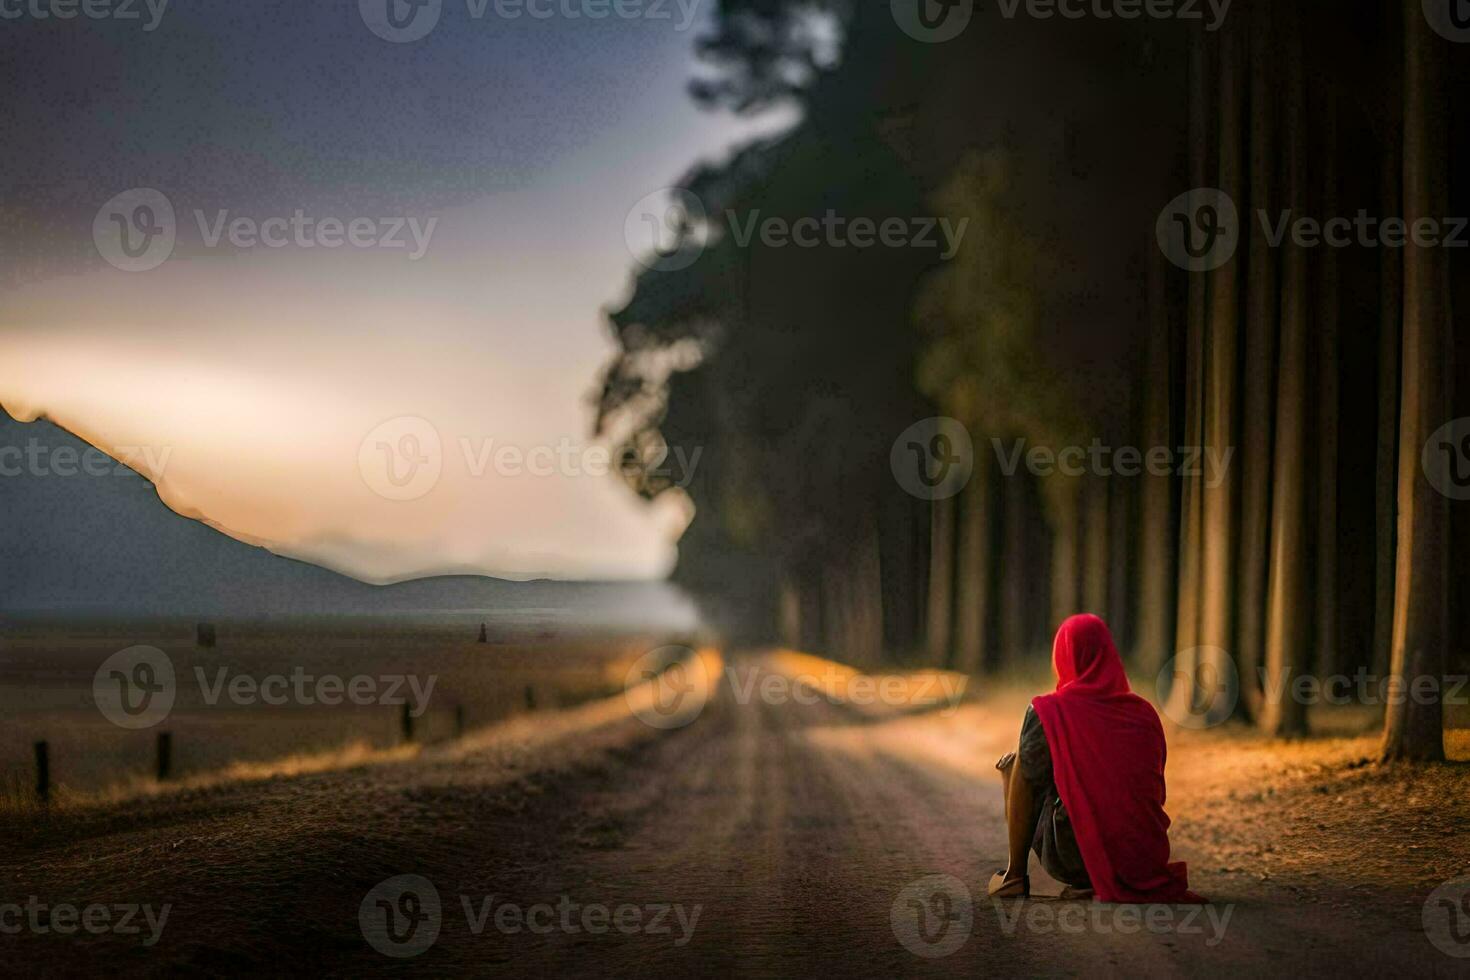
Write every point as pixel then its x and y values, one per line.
pixel 1020 807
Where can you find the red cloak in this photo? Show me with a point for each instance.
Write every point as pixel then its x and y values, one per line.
pixel 1107 753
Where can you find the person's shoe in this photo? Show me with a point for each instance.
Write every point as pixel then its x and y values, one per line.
pixel 1001 887
pixel 1070 892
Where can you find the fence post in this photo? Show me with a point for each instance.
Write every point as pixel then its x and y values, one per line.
pixel 405 723
pixel 43 773
pixel 165 755
pixel 483 637
pixel 459 721
pixel 530 698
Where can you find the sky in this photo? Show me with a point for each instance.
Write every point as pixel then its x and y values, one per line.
pixel 339 294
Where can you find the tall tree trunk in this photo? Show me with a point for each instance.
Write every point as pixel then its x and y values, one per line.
pixel 1095 545
pixel 1121 559
pixel 872 579
pixel 1288 604
pixel 812 628
pixel 976 558
pixel 1015 570
pixel 1065 509
pixel 939 621
pixel 1413 727
pixel 1191 526
pixel 1219 492
pixel 1259 380
pixel 788 613
pixel 1157 506
pixel 1390 331
pixel 1325 584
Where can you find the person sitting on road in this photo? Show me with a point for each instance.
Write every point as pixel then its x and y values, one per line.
pixel 1089 793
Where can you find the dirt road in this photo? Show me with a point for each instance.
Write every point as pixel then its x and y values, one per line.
pixel 773 835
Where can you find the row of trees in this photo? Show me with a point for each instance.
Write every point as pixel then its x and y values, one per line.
pixel 1320 547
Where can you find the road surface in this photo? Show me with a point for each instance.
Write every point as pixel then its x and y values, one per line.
pixel 771 835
